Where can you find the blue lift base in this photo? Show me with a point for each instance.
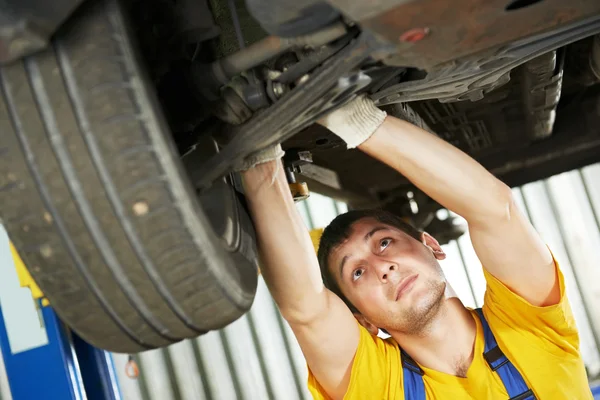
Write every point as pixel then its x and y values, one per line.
pixel 67 368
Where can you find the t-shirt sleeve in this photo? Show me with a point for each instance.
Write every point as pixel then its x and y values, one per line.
pixel 554 324
pixel 375 371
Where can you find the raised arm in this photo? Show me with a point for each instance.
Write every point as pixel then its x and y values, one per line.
pixel 505 242
pixel 290 268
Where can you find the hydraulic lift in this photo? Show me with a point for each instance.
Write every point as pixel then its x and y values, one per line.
pixel 43 358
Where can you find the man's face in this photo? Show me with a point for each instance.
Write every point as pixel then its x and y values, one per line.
pixel 394 280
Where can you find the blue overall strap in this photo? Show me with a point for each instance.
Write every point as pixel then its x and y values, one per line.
pixel 414 387
pixel 514 383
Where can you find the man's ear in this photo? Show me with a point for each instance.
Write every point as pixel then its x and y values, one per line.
pixel 433 245
pixel 373 330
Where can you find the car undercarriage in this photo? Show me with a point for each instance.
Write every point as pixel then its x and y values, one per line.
pixel 513 87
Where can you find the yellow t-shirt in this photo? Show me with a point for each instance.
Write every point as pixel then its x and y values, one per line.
pixel 541 342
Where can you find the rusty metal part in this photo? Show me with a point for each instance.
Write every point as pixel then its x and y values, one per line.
pixel 267 48
pixel 542 83
pixel 296 110
pixel 460 28
pixel 414 35
pixel 299 191
pixel 470 78
pixel 595 57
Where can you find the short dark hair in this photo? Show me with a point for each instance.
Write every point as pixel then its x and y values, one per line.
pixel 339 230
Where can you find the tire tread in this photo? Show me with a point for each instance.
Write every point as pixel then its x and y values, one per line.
pixel 91 147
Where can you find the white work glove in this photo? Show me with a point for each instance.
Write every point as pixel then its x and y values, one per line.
pixel 269 154
pixel 354 122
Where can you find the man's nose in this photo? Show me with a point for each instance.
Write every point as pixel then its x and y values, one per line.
pixel 385 269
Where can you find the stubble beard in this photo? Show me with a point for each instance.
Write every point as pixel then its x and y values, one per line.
pixel 416 320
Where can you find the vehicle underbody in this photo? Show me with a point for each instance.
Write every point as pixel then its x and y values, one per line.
pixel 516 88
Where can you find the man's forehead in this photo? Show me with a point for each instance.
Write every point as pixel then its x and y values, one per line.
pixel 365 225
pixel 358 231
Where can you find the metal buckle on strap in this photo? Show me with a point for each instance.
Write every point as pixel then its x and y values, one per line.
pixel 493 356
pixel 528 395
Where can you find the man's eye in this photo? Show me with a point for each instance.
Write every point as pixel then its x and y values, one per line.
pixel 384 243
pixel 357 274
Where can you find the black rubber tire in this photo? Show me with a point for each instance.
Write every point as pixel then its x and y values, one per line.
pixel 96 200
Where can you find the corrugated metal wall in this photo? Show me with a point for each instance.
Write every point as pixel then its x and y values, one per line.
pixel 257 357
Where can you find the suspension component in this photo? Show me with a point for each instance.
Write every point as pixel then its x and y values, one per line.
pixel 293 162
pixel 542 83
pixel 209 78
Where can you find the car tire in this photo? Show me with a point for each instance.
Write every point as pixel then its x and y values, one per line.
pixel 97 201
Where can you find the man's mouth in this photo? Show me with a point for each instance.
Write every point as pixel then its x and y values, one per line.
pixel 405 285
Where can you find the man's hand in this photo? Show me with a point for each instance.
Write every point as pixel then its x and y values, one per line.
pixel 272 153
pixel 354 122
pixel 505 242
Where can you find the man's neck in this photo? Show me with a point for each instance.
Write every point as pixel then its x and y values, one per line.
pixel 446 344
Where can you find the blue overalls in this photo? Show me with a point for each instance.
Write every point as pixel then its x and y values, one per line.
pixel 414 388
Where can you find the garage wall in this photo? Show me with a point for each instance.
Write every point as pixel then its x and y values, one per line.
pixel 257 357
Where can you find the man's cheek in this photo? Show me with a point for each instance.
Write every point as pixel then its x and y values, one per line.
pixel 373 298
